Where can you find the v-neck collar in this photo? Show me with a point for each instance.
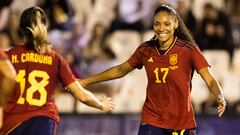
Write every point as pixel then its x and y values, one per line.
pixel 169 48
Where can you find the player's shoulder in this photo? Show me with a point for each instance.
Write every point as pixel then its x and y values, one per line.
pixel 16 49
pixel 186 44
pixel 55 55
pixel 52 53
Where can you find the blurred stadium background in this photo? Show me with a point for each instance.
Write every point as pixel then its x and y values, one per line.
pixel 96 34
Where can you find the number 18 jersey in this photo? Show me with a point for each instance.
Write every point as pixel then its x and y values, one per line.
pixel 37 77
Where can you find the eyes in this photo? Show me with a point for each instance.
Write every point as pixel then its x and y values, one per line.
pixel 167 23
pixel 164 19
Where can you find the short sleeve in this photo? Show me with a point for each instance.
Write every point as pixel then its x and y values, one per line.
pixel 135 60
pixel 65 74
pixel 199 61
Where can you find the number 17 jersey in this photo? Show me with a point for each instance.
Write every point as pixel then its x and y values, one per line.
pixel 168 102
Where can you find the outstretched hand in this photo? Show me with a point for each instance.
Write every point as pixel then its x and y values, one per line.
pixel 107 104
pixel 221 106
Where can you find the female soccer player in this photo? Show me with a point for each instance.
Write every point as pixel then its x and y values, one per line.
pixel 170 59
pixel 31 109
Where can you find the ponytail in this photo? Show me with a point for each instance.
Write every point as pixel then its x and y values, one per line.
pixel 182 32
pixel 33 27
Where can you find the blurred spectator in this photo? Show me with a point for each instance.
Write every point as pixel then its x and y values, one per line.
pixel 12 28
pixel 209 106
pixel 92 12
pixel 99 57
pixel 4 12
pixel 234 10
pixel 105 59
pixel 79 37
pixel 59 12
pixel 103 12
pixel 216 31
pixel 82 8
pixel 89 51
pixel 128 16
pixel 186 13
pixel 73 63
pixel 72 42
pixel 236 108
pixel 95 43
pixel 148 11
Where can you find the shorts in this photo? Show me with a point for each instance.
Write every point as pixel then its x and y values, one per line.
pixel 146 129
pixel 40 125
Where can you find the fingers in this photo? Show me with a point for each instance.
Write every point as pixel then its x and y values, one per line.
pixel 221 107
pixel 112 106
pixel 108 103
pixel 221 111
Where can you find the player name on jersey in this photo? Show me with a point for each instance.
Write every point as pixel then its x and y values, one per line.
pixel 32 57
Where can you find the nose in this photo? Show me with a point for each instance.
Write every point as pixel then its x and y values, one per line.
pixel 160 27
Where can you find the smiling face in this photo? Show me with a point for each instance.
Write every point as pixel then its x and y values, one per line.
pixel 164 26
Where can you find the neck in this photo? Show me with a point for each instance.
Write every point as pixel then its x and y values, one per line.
pixel 165 45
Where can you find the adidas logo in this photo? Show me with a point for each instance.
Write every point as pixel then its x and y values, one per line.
pixel 150 59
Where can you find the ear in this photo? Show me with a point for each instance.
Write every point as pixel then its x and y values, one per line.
pixel 176 24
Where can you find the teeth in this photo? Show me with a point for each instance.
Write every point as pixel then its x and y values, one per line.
pixel 161 33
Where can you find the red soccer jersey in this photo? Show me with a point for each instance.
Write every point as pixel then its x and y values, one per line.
pixel 168 102
pixel 37 77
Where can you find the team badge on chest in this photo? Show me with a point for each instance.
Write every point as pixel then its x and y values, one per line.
pixel 173 59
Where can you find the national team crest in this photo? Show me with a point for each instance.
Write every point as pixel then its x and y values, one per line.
pixel 173 59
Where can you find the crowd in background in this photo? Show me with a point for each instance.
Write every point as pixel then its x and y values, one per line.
pixel 94 35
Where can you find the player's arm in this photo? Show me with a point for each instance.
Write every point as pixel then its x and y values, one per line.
pixel 8 81
pixel 215 89
pixel 88 98
pixel 109 74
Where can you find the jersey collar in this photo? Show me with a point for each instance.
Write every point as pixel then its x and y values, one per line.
pixel 169 48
